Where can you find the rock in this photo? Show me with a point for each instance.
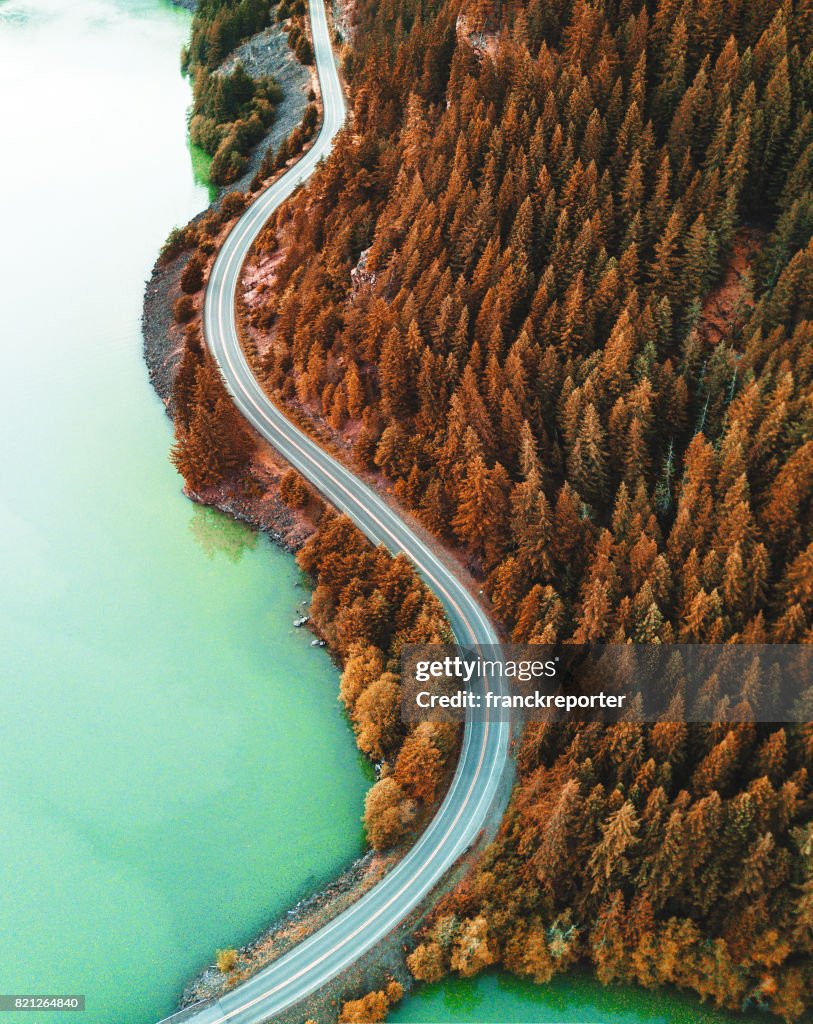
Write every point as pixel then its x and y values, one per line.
pixel 360 276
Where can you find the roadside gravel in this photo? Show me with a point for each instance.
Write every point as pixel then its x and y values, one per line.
pixel 268 53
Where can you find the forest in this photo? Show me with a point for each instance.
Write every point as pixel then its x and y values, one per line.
pixel 577 340
pixel 555 288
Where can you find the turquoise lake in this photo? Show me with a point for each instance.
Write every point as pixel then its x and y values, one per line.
pixel 168 739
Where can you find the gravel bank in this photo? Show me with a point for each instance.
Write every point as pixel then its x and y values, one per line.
pixel 268 53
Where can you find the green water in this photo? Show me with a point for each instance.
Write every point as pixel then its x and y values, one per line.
pixel 571 999
pixel 175 769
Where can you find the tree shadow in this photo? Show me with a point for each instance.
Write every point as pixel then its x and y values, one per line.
pixel 217 533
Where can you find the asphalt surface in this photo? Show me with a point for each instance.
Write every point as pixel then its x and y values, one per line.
pixel 484 760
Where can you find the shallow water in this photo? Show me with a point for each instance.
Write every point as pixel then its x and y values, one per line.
pixel 575 998
pixel 168 739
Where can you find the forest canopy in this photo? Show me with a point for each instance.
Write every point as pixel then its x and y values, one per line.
pixel 554 287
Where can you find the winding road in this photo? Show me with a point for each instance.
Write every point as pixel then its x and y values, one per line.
pixel 478 787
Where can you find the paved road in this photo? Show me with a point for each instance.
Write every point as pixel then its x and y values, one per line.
pixel 484 756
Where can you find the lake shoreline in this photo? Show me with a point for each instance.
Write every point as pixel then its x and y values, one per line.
pixel 261 508
pixel 155 748
pixel 266 512
pixel 162 347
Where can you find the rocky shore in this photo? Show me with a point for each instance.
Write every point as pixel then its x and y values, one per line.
pixel 305 917
pixel 264 510
pixel 268 53
pixel 261 507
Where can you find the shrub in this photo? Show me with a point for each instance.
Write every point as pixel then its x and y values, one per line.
pixel 370 1009
pixel 310 119
pixel 304 50
pixel 177 241
pixel 227 163
pixel 192 276
pixel 293 490
pixel 183 309
pixel 386 814
pixel 226 960
pixel 233 204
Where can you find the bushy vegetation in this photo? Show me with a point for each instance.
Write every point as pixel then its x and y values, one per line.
pixel 183 309
pixel 213 445
pixel 373 1007
pixel 226 960
pixel 192 274
pixel 230 114
pixel 199 234
pixel 292 13
pixel 291 146
pixel 368 605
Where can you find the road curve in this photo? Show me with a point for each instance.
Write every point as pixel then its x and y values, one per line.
pixel 484 759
